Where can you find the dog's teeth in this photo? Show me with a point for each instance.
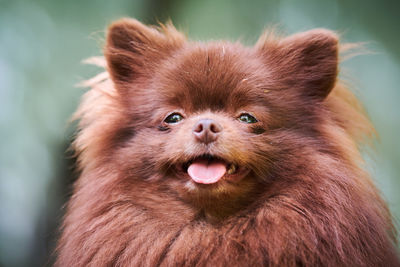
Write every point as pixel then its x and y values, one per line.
pixel 232 169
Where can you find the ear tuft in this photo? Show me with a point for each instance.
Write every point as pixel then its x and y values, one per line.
pixel 307 61
pixel 133 48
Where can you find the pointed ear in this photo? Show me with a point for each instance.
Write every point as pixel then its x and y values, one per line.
pixel 307 61
pixel 132 48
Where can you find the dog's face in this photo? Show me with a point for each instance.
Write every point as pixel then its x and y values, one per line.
pixel 210 116
pixel 214 119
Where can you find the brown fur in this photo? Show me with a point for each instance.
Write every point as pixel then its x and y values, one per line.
pixel 306 201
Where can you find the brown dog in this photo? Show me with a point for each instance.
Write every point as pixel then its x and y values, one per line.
pixel 216 154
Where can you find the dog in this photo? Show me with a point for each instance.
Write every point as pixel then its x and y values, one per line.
pixel 213 154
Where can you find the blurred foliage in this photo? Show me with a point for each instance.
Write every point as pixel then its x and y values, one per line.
pixel 42 43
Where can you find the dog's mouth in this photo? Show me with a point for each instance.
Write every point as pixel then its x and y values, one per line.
pixel 208 169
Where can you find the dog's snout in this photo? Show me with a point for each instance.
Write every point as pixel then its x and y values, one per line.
pixel 207 130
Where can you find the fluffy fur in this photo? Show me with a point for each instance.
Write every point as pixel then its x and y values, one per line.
pixel 306 201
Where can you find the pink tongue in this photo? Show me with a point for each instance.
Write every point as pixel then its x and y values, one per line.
pixel 205 172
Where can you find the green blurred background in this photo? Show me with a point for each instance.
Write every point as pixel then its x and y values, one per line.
pixel 43 42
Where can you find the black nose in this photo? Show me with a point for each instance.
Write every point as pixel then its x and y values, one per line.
pixel 206 130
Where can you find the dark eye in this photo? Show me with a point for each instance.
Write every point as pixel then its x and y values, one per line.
pixel 247 118
pixel 173 118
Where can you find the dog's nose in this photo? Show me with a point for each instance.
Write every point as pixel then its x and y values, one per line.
pixel 206 130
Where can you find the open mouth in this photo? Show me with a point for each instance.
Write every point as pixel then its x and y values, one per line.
pixel 208 169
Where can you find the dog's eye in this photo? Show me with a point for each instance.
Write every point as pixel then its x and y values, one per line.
pixel 247 118
pixel 173 118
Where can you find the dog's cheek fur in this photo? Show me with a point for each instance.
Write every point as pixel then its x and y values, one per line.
pixel 314 205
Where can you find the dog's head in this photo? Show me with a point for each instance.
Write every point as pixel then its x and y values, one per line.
pixel 215 118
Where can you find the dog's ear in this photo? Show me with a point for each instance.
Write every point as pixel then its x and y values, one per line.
pixel 132 49
pixel 307 61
